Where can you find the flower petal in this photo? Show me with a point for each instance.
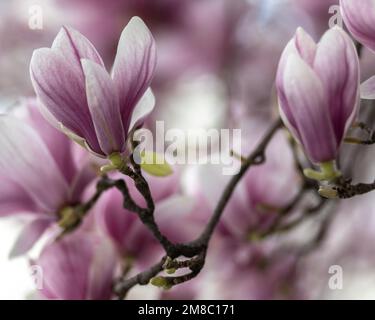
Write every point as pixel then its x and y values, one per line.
pixel 143 108
pixel 29 236
pixel 74 47
pixel 337 65
pixel 359 18
pixel 134 66
pixel 58 144
pixel 368 89
pixel 305 46
pixel 104 107
pixel 62 91
pixel 65 263
pixel 25 159
pixel 102 271
pixel 306 98
pixel 14 199
pixel 284 108
pixel 302 45
pixel 81 180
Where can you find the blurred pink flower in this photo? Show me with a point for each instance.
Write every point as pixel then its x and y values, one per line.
pixel 241 268
pixel 318 89
pixel 359 17
pixel 80 97
pixel 131 238
pixel 39 173
pixel 250 272
pixel 263 191
pixel 81 266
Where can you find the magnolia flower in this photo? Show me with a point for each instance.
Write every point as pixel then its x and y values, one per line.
pixel 81 266
pixel 318 90
pixel 39 175
pixel 253 272
pixel 359 17
pixel 94 108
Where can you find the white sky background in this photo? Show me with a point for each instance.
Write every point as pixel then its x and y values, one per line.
pixel 15 277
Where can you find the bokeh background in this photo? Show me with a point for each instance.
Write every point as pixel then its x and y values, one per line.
pixel 217 62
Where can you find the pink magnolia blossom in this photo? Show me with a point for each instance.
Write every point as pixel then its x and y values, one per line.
pixel 250 271
pixel 40 175
pixel 359 17
pixel 318 89
pixel 78 95
pixel 81 266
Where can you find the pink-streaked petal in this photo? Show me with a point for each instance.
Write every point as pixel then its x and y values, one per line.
pixel 66 266
pixel 104 107
pixel 29 236
pixel 14 199
pixel 58 144
pixel 305 46
pixel 359 18
pixel 142 109
pixel 285 110
pixel 83 178
pixel 122 226
pixel 306 97
pixel 61 89
pixel 134 66
pixel 102 271
pixel 25 158
pixel 337 65
pixel 115 221
pixel 368 89
pixel 74 47
pixel 289 49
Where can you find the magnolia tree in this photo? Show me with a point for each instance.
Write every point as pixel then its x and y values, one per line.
pixel 111 208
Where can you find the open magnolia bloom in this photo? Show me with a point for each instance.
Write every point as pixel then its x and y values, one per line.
pixel 318 90
pixel 40 174
pixel 81 266
pixel 79 96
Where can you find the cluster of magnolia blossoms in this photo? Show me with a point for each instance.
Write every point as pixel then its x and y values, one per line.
pixel 45 176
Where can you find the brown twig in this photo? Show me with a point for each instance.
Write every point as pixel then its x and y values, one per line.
pixel 195 250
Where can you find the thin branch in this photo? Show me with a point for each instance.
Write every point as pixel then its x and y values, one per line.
pixel 255 158
pixel 343 189
pixel 196 250
pixel 122 286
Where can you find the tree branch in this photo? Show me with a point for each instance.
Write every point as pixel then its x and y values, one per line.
pixel 195 250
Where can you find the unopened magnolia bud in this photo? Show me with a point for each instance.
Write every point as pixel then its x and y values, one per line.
pixel 318 90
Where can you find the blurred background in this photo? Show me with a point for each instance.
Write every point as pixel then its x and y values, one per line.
pixel 217 62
